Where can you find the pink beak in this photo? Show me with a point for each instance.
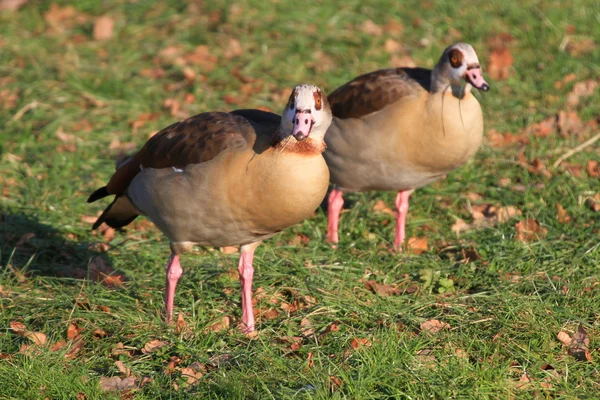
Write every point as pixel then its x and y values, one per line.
pixel 475 77
pixel 303 123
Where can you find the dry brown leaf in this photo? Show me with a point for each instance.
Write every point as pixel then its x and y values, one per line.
pixel 64 137
pixel 11 5
pixel 99 333
pixel 504 214
pixel 569 123
pixel 500 62
pixel 382 289
pixel 564 338
pixel 101 272
pixel 234 49
pixel 190 375
pixel 470 255
pixel 356 343
pixel 581 89
pixel 300 239
pixel 594 203
pixel 460 226
pixel 592 168
pixel 380 207
pixel 434 326
pixel 270 314
pixel 578 46
pixel 223 324
pixel 392 46
pixel 579 345
pixel 230 249
pixel 154 345
pixel 73 330
pixel 417 245
pixel 561 214
pixel 202 57
pixel 103 28
pixel 61 19
pixel 116 383
pixel 523 382
pixel 529 229
pixel 335 383
pixel 394 27
pixel 75 346
pixel 154 73
pixel 371 28
pixel 20 329
pixel 122 368
pixel 58 346
pixel 498 139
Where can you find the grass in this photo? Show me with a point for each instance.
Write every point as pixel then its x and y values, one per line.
pixel 505 309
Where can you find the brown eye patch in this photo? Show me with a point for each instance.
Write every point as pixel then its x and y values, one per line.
pixel 456 58
pixel 318 99
pixel 292 99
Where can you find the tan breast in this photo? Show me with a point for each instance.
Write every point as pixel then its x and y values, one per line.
pixel 406 145
pixel 237 198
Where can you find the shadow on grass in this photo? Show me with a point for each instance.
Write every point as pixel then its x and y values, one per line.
pixel 30 247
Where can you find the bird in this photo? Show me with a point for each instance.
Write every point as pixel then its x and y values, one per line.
pixel 225 179
pixel 399 129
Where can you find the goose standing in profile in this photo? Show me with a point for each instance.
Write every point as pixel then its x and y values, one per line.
pixel 225 179
pixel 401 129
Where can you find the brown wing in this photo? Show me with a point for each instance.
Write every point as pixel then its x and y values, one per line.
pixel 373 91
pixel 195 140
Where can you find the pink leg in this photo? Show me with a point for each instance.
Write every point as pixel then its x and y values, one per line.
pixel 402 210
pixel 174 272
pixel 246 271
pixel 335 202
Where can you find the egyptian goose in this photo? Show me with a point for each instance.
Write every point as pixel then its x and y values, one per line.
pixel 224 179
pixel 400 129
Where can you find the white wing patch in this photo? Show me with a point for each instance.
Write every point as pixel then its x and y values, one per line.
pixel 177 169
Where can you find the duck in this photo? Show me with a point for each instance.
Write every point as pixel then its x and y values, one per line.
pixel 399 129
pixel 225 179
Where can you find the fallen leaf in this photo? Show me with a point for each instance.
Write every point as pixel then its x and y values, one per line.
pixel 498 139
pixel 434 326
pixel 107 275
pixel 230 249
pixel 154 345
pixel 562 216
pixel 371 28
pixel 499 64
pixel 103 28
pixel 64 137
pixel 460 226
pixel 394 27
pixel 592 168
pixel 594 203
pixel 504 214
pixel 335 383
pixel 523 381
pixel 72 331
pixel 202 57
pixel 392 46
pixel 122 368
pixel 579 346
pixel 564 338
pixel 382 208
pixel 58 346
pixel 578 46
pixel 75 346
pixel 99 333
pixel 61 19
pixel 11 5
pixel 529 229
pixel 470 255
pixel 116 383
pixel 581 89
pixel 20 329
pixel 569 123
pixel 417 245
pixel 360 342
pixel 310 360
pixel 381 289
pixel 190 375
pixel 233 49
pixel 223 324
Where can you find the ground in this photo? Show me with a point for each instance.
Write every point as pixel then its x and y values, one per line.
pixel 496 296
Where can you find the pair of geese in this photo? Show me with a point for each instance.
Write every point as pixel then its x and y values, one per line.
pixel 238 178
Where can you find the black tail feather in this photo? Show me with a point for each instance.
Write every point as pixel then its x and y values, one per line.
pixel 98 194
pixel 122 214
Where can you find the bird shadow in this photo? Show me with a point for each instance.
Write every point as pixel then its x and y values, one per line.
pixel 30 247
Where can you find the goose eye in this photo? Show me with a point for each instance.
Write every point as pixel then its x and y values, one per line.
pixel 317 97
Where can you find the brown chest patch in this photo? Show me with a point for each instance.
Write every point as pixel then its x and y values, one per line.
pixel 306 147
